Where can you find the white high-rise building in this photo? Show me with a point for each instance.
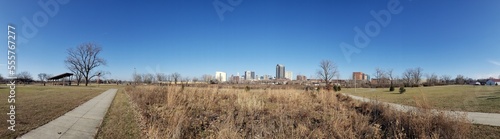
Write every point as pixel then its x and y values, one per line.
pixel 220 76
pixel 248 75
pixel 289 75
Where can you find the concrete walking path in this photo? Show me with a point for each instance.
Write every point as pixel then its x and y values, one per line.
pixel 492 119
pixel 82 122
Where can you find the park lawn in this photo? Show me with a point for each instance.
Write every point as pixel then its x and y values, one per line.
pixel 37 105
pixel 456 97
pixel 121 120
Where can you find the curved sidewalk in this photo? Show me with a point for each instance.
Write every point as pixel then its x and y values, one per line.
pixel 492 119
pixel 82 122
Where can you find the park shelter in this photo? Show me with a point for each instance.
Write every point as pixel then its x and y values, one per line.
pixel 61 79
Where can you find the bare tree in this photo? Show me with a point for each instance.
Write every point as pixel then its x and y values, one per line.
pixel 43 77
pixel 390 76
pixel 160 77
pixel 460 79
pixel 148 78
pixel 25 77
pixel 408 77
pixel 417 75
pixel 75 69
pixel 195 79
pixel 379 75
pixel 446 79
pixel 186 80
pixel 176 77
pixel 327 71
pixel 207 78
pixel 84 59
pixel 137 78
pixel 432 79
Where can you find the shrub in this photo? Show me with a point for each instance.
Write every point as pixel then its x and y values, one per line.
pixel 247 88
pixel 402 90
pixel 335 88
pixel 339 88
pixel 391 89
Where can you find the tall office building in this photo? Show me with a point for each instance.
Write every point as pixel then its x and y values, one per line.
pixel 248 75
pixel 289 75
pixel 220 76
pixel 280 71
pixel 253 75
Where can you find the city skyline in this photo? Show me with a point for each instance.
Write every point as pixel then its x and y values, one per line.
pixel 191 38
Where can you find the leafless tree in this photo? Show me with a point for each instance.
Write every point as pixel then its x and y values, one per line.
pixel 195 79
pixel 390 76
pixel 186 80
pixel 432 79
pixel 417 75
pixel 446 79
pixel 84 59
pixel 148 78
pixel 176 77
pixel 137 78
pixel 43 77
pixel 380 76
pixel 408 77
pixel 327 71
pixel 24 75
pixel 207 78
pixel 460 79
pixel 160 77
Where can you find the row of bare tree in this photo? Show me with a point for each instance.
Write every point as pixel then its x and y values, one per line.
pixel 175 78
pixel 412 77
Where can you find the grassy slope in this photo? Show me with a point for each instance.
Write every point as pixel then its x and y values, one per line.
pixel 120 121
pixel 37 105
pixel 462 98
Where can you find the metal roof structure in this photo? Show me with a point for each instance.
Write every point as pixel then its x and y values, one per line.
pixel 60 76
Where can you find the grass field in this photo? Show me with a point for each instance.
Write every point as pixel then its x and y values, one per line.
pixel 175 112
pixel 37 105
pixel 121 121
pixel 459 98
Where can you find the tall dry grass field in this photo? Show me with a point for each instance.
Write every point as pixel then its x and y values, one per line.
pixel 177 112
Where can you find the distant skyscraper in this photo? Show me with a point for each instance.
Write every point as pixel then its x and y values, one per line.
pixel 220 76
pixel 289 75
pixel 253 75
pixel 280 71
pixel 248 75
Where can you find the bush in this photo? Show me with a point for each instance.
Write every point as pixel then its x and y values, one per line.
pixel 335 88
pixel 391 89
pixel 402 90
pixel 338 87
pixel 247 88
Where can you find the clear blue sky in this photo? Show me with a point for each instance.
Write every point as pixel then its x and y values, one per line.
pixel 187 36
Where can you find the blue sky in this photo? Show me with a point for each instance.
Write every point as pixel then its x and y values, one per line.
pixel 187 36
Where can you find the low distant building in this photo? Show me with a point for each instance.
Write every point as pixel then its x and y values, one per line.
pixel 301 78
pixel 493 82
pixel 235 79
pixel 360 76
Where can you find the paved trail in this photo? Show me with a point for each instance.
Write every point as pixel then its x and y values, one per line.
pixel 492 119
pixel 80 123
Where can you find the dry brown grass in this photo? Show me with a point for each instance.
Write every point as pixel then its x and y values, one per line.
pixel 38 105
pixel 121 121
pixel 173 112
